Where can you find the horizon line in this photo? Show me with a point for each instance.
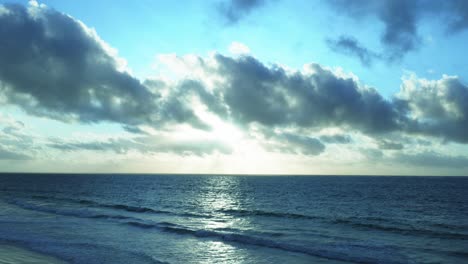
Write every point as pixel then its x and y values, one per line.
pixel 229 174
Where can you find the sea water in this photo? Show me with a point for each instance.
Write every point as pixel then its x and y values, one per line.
pixel 236 219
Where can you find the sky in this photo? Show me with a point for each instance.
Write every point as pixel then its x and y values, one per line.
pixel 234 87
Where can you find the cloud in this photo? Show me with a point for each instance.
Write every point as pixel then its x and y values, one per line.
pixel 336 139
pixel 4 10
pixel 199 147
pixel 292 143
pixel 247 92
pixel 234 10
pixel 177 106
pixel 351 46
pixel 145 145
pixel 55 66
pixel 316 97
pixel 401 19
pixel 14 140
pixel 373 155
pixel 390 145
pixel 237 48
pixel 435 107
pixel 116 146
pixel 15 137
pixel 6 154
pixel 432 159
pixel 304 145
pixel 458 17
pixel 134 129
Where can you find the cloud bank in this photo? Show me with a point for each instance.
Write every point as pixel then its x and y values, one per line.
pixel 55 66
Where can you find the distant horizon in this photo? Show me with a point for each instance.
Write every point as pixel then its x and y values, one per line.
pixel 235 87
pixel 226 174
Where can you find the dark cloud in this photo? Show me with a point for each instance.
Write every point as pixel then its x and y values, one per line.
pixel 336 139
pixel 293 143
pixel 458 18
pixel 401 20
pixel 435 108
pixel 304 145
pixel 432 159
pixel 270 96
pixel 390 145
pixel 235 10
pixel 53 65
pixel 350 46
pixel 134 129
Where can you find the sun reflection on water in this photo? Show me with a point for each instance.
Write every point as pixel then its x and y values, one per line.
pixel 220 195
pixel 220 252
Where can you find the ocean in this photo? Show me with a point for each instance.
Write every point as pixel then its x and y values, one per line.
pixel 235 219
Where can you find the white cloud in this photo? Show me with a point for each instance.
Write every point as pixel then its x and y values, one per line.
pixel 238 48
pixel 4 11
pixel 33 3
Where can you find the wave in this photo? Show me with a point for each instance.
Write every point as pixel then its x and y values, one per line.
pixel 361 222
pixel 451 226
pixel 410 230
pixel 332 252
pixel 132 221
pixel 163 226
pixel 89 252
pixel 103 216
pixel 128 208
pixel 123 207
pixel 83 213
pixel 371 223
pixel 140 224
pixel 240 212
pixel 133 209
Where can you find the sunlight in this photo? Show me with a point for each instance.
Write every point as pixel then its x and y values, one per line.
pixel 221 129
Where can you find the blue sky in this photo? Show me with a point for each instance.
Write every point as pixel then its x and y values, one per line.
pixel 404 60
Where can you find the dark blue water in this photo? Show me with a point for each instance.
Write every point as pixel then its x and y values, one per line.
pixel 237 219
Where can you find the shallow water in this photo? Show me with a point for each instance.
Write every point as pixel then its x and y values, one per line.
pixel 237 219
pixel 12 255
